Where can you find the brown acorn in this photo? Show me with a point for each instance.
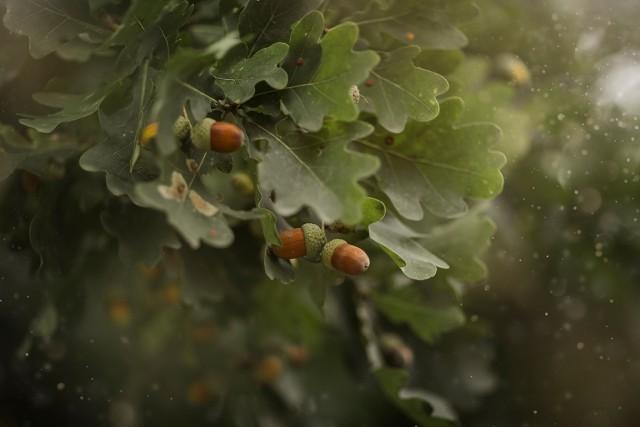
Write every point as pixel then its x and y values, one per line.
pixel 268 369
pixel 341 256
pixel 306 241
pixel 222 137
pixel 298 355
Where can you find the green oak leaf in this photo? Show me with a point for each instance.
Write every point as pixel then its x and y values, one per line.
pixel 189 207
pixel 399 90
pixel 14 55
pixel 317 170
pixel 142 15
pixel 278 269
pixel 51 25
pixel 268 222
pixel 71 107
pixel 460 242
pixel 42 155
pixel 270 21
pixel 407 305
pixel 431 24
pixel 373 210
pixel 326 90
pixel 238 80
pixel 494 101
pixel 122 118
pixel 439 164
pixel 141 233
pixel 392 382
pixel 403 246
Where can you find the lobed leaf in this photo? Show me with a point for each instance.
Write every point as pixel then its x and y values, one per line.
pixel 439 164
pixel 325 91
pixel 398 90
pixel 316 170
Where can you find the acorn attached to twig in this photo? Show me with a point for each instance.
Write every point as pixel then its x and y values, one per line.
pixel 306 241
pixel 222 137
pixel 344 257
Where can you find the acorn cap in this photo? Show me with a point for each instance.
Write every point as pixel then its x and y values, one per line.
pixel 181 127
pixel 341 256
pixel 201 134
pixel 328 249
pixel 314 241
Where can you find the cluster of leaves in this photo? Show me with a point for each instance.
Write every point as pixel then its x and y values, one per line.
pixel 346 127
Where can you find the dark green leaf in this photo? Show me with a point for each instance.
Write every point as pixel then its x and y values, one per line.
pixel 142 233
pixel 460 243
pixel 399 90
pixel 238 81
pixel 403 246
pixel 392 381
pixel 438 164
pixel 50 24
pixel 269 22
pixel 315 170
pixel 326 91
pixel 409 307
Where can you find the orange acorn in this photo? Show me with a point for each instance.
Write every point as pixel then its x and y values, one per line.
pixel 297 354
pixel 198 393
pixel 306 241
pixel 222 137
pixel 268 369
pixel 341 256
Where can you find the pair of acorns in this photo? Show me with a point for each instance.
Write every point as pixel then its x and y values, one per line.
pixel 207 134
pixel 310 242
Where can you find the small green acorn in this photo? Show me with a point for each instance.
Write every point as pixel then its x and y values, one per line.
pixel 222 137
pixel 181 127
pixel 243 183
pixel 306 241
pixel 344 257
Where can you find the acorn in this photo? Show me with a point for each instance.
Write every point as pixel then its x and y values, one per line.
pixel 341 256
pixel 222 137
pixel 512 68
pixel 395 351
pixel 268 369
pixel 243 183
pixel 306 241
pixel 149 132
pixel 181 127
pixel 298 355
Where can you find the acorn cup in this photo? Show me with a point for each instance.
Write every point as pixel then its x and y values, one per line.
pixel 222 137
pixel 345 258
pixel 304 242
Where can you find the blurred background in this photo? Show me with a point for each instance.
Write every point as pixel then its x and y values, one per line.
pixel 553 334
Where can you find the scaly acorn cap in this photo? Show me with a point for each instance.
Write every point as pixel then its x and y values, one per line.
pixel 201 134
pixel 314 241
pixel 181 127
pixel 348 259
